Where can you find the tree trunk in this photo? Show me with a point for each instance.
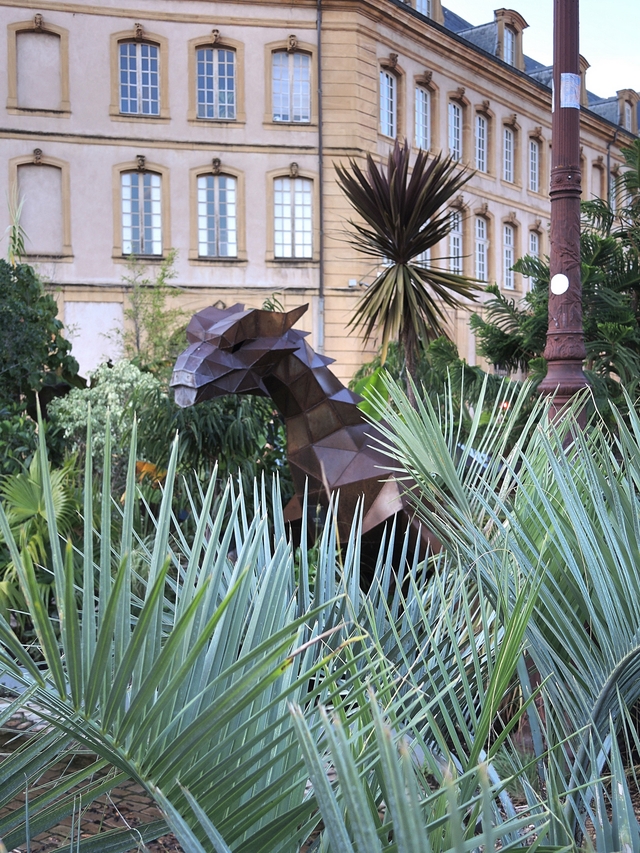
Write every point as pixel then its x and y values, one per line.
pixel 409 346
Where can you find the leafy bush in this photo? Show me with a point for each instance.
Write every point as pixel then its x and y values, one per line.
pixel 32 349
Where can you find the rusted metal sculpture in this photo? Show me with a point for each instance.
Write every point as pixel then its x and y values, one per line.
pixel 330 446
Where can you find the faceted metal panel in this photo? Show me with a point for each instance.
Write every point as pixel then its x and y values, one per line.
pixel 329 444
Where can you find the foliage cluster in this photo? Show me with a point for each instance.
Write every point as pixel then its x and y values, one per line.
pixel 252 697
pixel 402 215
pixel 33 352
pixel 513 336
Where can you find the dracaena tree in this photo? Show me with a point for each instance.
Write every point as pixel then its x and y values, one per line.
pixel 404 212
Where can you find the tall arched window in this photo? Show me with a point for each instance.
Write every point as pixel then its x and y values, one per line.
pixel 534 165
pixel 388 103
pixel 481 141
pixel 455 130
pixel 455 243
pixel 481 249
pixel 508 257
pixel 139 65
pixel 216 83
pixel 291 86
pixel 423 118
pixel 508 155
pixel 217 216
pixel 141 213
pixel 293 218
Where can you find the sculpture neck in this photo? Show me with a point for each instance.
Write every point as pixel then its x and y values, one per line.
pixel 305 390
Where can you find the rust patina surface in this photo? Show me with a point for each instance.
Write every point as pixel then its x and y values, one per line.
pixel 330 445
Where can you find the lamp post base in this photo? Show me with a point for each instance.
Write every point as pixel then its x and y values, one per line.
pixel 563 381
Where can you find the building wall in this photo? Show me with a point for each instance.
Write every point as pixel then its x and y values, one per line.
pixel 81 141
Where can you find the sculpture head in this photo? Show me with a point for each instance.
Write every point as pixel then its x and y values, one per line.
pixel 232 350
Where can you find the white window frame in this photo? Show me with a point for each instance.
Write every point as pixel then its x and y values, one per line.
pixel 534 165
pixel 141 213
pixel 628 116
pixel 481 249
pixel 455 130
pixel 139 62
pixel 509 52
pixel 215 98
pixel 388 103
pixel 291 87
pixel 508 146
pixel 508 256
pixel 423 118
pixel 424 7
pixel 293 218
pixel 455 243
pixel 217 216
pixel 482 125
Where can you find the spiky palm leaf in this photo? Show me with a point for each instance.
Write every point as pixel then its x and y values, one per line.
pixel 186 687
pixel 572 514
pixel 405 215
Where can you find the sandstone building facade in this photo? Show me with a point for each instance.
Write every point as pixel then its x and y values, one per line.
pixel 134 127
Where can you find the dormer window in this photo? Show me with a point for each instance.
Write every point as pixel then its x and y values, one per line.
pixel 509 53
pixel 510 25
pixel 424 7
pixel 628 116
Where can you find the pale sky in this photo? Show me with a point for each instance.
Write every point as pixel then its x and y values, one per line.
pixel 609 36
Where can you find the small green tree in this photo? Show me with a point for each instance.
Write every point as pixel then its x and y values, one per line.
pixel 405 214
pixel 33 352
pixel 152 337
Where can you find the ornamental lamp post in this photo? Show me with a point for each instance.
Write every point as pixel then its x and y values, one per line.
pixel 565 350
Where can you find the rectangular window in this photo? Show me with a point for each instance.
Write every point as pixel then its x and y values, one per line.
pixel 388 105
pixel 292 218
pixel 534 166
pixel 628 116
pixel 613 192
pixel 481 143
pixel 291 86
pixel 139 79
pixel 217 232
pixel 481 248
pixel 141 214
pixel 424 7
pixel 507 160
pixel 455 130
pixel 509 46
pixel 216 82
pixel 455 244
pixel 508 257
pixel 423 118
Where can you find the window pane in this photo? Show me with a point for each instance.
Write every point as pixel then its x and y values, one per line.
pixel 280 93
pixel 387 104
pixel 509 46
pixel 481 143
pixel 205 83
pixel 302 218
pixel 508 257
pixel 424 7
pixel 301 86
pixel 128 79
pixel 141 214
pixel 507 172
pixel 423 118
pixel 227 206
pixel 455 131
pixel 149 77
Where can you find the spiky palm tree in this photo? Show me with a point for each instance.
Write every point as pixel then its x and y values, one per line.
pixel 405 214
